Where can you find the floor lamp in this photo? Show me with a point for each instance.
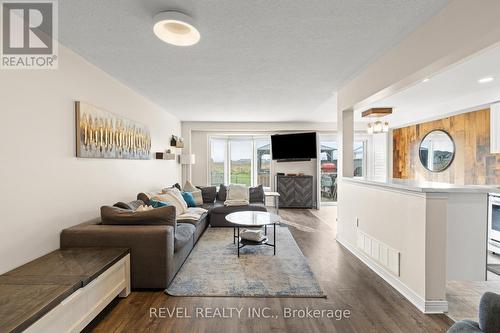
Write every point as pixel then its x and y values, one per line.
pixel 187 159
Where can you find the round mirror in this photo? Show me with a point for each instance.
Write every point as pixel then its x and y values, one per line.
pixel 437 151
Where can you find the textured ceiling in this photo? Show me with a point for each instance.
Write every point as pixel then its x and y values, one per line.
pixel 273 60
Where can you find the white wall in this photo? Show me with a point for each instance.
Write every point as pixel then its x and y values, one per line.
pixel 402 229
pixel 45 188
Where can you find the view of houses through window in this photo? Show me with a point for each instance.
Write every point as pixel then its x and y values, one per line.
pixel 329 159
pixel 240 160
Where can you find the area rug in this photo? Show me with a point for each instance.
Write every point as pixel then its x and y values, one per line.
pixel 214 269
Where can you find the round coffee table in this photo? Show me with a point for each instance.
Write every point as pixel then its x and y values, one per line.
pixel 252 219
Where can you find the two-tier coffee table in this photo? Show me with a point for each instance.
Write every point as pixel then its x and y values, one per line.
pixel 253 219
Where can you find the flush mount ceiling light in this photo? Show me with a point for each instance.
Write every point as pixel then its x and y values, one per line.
pixel 175 28
pixel 485 79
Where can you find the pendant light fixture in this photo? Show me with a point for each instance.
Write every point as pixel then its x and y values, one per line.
pixel 377 126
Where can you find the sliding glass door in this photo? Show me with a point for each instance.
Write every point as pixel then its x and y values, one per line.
pixel 263 162
pixel 328 168
pixel 329 163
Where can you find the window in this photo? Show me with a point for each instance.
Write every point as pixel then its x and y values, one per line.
pixel 359 158
pixel 217 164
pixel 240 160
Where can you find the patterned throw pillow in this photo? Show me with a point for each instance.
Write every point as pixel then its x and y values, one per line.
pixel 198 198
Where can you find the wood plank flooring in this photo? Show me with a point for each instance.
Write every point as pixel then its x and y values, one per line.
pixel 374 306
pixel 463 297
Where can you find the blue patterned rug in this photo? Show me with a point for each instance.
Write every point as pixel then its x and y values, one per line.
pixel 213 269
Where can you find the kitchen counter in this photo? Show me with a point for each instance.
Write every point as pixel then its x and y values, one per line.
pixel 422 186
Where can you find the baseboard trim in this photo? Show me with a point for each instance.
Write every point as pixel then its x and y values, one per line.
pixel 427 307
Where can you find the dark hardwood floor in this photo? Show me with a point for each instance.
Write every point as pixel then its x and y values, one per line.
pixel 374 306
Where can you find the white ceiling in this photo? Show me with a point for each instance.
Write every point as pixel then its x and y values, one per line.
pixel 452 91
pixel 262 60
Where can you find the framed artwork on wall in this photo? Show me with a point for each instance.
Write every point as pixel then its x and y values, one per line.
pixel 102 134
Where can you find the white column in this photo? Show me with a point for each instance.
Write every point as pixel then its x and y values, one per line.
pixel 345 121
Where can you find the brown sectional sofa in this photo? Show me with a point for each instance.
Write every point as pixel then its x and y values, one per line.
pixel 158 242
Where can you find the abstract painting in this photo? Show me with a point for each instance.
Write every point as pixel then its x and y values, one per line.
pixel 102 134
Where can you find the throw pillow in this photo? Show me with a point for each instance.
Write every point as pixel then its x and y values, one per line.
pixel 179 204
pixel 222 194
pixel 132 205
pixel 189 198
pixel 188 187
pixel 237 192
pixel 158 204
pixel 198 198
pixel 146 196
pixel 143 197
pixel 119 216
pixel 208 193
pixel 256 194
pixel 175 192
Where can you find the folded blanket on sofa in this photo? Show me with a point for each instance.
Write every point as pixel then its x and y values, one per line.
pixel 192 213
pixel 237 195
pixel 236 203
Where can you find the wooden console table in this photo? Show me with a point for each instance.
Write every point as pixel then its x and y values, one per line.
pixel 63 290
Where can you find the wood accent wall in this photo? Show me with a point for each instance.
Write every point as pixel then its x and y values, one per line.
pixel 473 162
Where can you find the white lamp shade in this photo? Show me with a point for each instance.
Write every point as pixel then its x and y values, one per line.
pixel 188 159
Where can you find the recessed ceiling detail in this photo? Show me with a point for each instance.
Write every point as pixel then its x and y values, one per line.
pixel 175 28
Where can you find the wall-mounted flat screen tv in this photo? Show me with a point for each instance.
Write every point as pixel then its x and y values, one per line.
pixel 293 147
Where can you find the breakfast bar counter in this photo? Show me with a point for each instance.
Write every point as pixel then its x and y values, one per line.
pixel 416 235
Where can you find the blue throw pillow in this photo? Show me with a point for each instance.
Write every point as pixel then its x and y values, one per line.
pixel 158 204
pixel 189 198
